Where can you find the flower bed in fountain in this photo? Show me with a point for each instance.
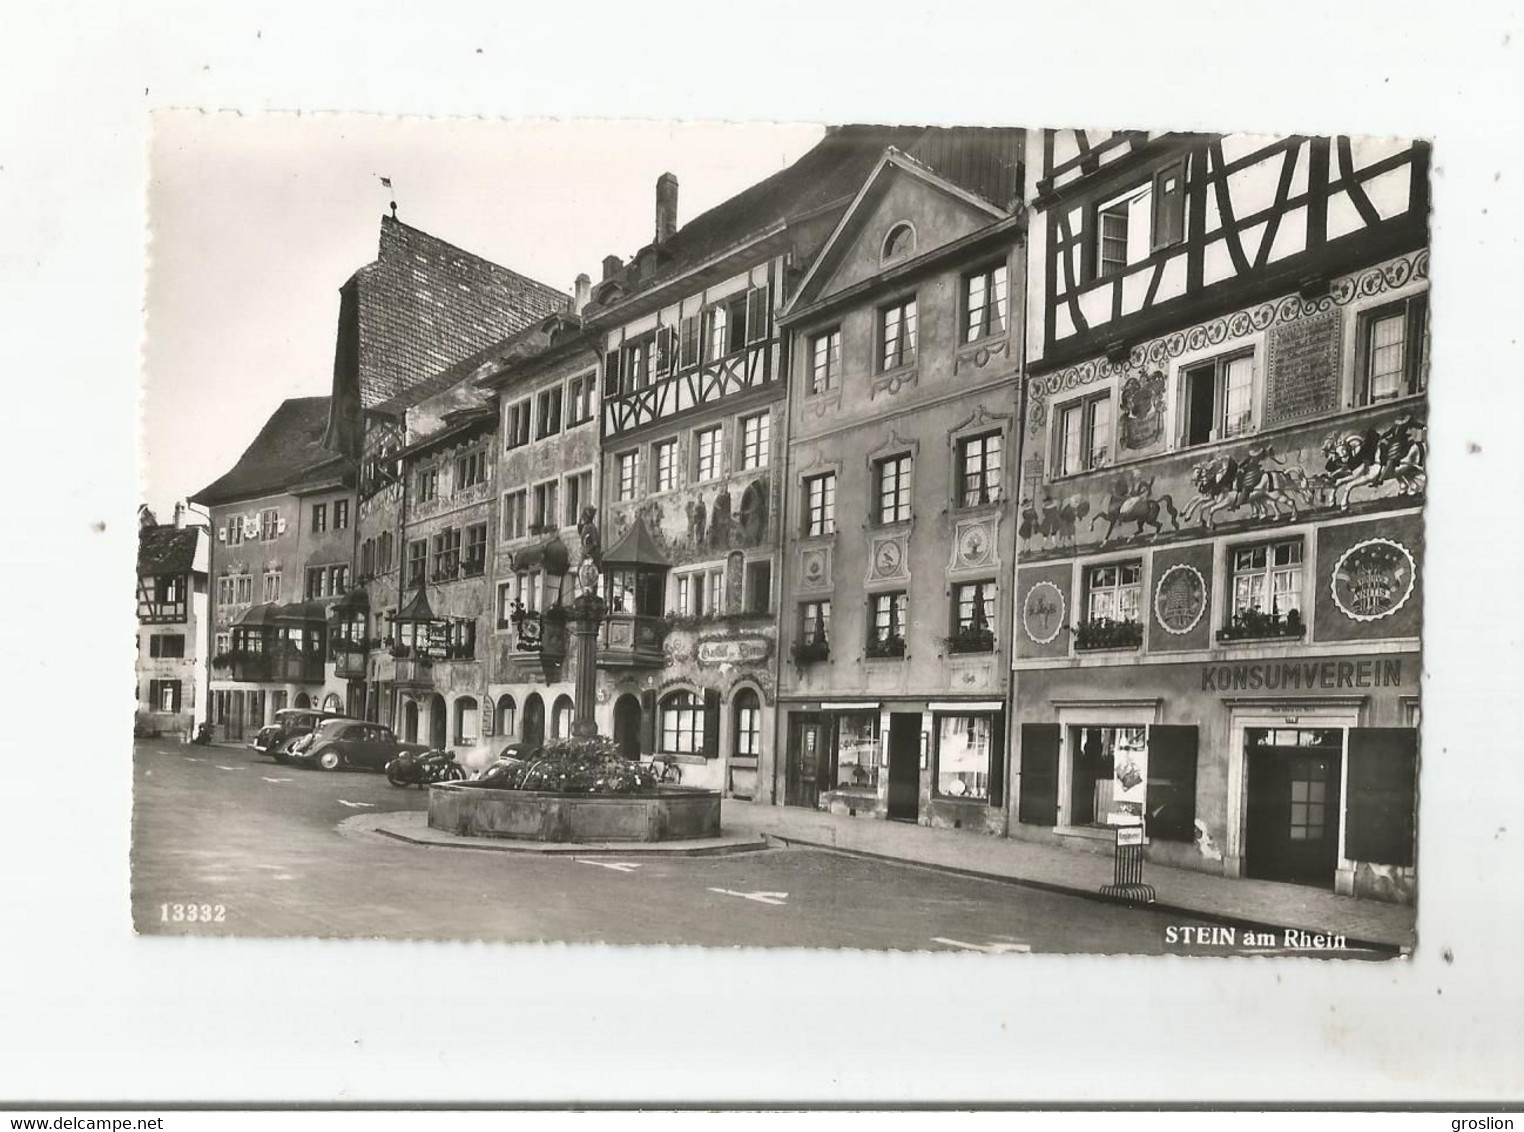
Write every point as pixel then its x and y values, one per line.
pixel 574 790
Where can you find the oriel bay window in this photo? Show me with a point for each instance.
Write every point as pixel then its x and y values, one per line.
pixel 1113 593
pixel 984 303
pixel 892 480
pixel 973 617
pixel 979 460
pixel 886 629
pixel 897 334
pixel 1084 435
pixel 1219 399
pixel 1393 354
pixel 1266 589
pixel 968 750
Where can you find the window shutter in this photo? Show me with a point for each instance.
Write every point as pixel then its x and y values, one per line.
pixel 711 723
pixel 174 691
pixel 689 332
pixel 1170 804
pixel 648 723
pixel 611 364
pixel 1039 774
pixel 1383 782
pixel 1418 313
pixel 997 762
pixel 756 314
pixel 1169 206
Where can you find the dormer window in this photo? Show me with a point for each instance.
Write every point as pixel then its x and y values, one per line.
pixel 899 242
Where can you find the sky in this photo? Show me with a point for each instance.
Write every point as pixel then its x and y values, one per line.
pixel 255 221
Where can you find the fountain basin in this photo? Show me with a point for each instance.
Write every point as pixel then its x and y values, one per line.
pixel 668 813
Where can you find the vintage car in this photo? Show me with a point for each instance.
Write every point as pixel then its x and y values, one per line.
pixel 289 726
pixel 350 742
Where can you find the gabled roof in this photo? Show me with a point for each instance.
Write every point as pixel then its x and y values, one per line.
pixel 290 442
pixel 417 608
pixel 167 549
pixel 890 163
pixel 424 304
pixel 636 547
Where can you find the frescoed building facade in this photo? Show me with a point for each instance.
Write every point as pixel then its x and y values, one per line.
pixel 1220 537
pixel 902 430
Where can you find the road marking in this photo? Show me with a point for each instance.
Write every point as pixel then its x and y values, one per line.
pixel 275 779
pixel 188 759
pixel 356 805
pixel 759 897
pixel 221 767
pixel 986 948
pixel 617 866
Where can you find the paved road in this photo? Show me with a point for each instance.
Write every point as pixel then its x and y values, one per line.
pixel 226 828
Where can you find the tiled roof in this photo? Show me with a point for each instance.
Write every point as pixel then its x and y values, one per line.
pixel 424 305
pixel 524 343
pixel 167 549
pixel 291 441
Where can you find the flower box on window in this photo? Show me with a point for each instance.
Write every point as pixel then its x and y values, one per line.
pixel 893 647
pixel 1256 625
pixel 1107 633
pixel 970 639
pixel 811 652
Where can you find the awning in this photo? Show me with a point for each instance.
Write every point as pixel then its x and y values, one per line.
pixel 417 608
pixel 266 613
pixel 355 601
pixel 550 554
pixel 636 547
pixel 303 611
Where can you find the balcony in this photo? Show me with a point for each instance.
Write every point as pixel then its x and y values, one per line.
pixel 632 640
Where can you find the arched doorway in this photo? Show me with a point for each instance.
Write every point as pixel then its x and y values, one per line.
pixel 467 716
pixel 410 721
pixel 438 725
pixel 534 721
pixel 302 700
pixel 561 718
pixel 507 717
pixel 627 725
pixel 331 702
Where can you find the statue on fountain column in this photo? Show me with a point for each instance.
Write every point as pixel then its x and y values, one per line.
pixel 592 550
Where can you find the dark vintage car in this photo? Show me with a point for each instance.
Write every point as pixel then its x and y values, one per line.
pixel 349 742
pixel 289 726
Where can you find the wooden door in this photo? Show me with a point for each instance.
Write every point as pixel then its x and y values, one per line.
pixel 808 754
pixel 1292 832
pixel 905 766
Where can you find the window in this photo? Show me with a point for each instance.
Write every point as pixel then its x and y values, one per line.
pixel 701 593
pixel 635 369
pixel 341 514
pixel 759 586
pixel 269 524
pixel 470 470
pixel 899 242
pixel 548 412
pixel 384 552
pixel 1112 591
pixel 736 310
pixel 1267 579
pixel 757 314
pixel 1122 230
pixel 629 475
pixel 446 554
pixel 965 746
pixel 815 623
pixel 857 751
pixel 417 561
pixel 974 617
pixel 507 716
pixel 979 470
pixel 319 517
pixel 716 332
pixel 338 580
pixel 467 715
pixel 368 557
pixel 897 326
pixel 460 639
pixel 892 477
pixel 707 449
pixel 748 724
pixel 579 397
pixel 1394 351
pixel 235 531
pixel 1219 399
pixel 825 361
pixel 164 695
pixel 224 644
pixel 579 494
pixel 561 718
pixel 820 504
pixel 504 604
pixel 547 512
pixel 426 485
pixel 1169 206
pixel 1084 435
pixel 664 458
pixel 317 579
pixel 272 586
pixel 756 441
pixel 886 633
pixel 682 724
pixel 516 434
pixel 714 600
pixel 167 646
pixel 985 303
pixel 688 341
pixel 515 514
pixel 476 548
pixel 664 351
pixel 245 584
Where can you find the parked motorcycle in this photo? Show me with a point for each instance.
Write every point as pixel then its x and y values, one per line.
pixel 410 769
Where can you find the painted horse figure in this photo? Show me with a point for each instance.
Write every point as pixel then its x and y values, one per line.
pixel 1227 483
pixel 1132 501
pixel 1370 459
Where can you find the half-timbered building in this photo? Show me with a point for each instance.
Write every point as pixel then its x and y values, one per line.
pixel 1220 539
pixel 901 439
pixel 173 562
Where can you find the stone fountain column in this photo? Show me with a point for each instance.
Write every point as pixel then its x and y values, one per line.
pixel 587 610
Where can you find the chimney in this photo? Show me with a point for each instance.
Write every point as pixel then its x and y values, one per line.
pixel 666 207
pixel 179 516
pixel 612 266
pixel 582 293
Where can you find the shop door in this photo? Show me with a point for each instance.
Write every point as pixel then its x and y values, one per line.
pixel 1293 822
pixel 905 766
pixel 808 742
